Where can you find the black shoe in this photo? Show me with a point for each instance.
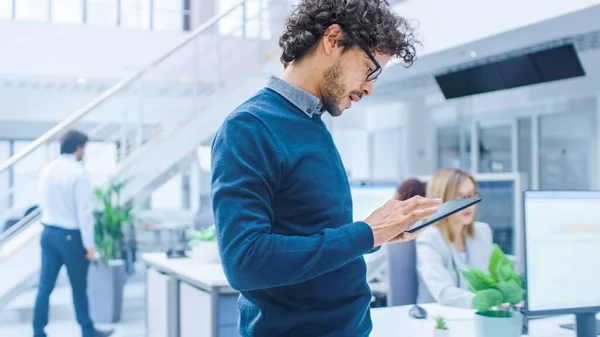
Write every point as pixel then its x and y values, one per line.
pixel 103 333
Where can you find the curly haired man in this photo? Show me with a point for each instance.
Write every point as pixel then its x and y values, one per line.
pixel 281 197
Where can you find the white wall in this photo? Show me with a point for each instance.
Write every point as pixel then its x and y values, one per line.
pixel 447 24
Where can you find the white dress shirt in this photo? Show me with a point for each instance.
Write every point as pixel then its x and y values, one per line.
pixel 67 197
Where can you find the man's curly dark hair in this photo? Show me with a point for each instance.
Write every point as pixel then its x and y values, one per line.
pixel 369 24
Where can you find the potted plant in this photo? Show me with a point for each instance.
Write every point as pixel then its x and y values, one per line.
pixel 108 273
pixel 496 295
pixel 204 245
pixel 441 328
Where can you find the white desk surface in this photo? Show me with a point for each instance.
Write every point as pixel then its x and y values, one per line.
pixel 204 276
pixel 395 321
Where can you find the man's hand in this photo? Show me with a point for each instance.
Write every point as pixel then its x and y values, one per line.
pixel 90 253
pixel 391 220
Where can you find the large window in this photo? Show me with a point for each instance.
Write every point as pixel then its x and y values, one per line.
pixel 251 20
pixel 137 14
pixel 32 10
pixel 168 15
pixel 6 9
pixel 67 11
pixel 102 12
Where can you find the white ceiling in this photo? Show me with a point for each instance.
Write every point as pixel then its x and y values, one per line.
pixel 581 28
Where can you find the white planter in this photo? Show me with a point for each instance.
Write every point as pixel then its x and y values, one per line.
pixel 206 252
pixel 441 333
pixel 486 326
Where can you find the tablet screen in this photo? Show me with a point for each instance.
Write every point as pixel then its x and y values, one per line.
pixel 445 210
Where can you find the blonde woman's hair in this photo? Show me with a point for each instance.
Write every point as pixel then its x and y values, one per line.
pixel 445 184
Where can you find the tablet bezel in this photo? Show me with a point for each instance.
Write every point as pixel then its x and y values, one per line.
pixel 470 202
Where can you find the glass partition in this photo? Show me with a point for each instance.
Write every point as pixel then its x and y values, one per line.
pixel 454 147
pixel 495 154
pixel 566 150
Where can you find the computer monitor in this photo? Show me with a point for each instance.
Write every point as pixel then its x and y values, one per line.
pixel 366 198
pixel 562 248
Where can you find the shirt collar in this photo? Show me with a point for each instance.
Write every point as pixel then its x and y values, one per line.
pixel 69 156
pixel 306 102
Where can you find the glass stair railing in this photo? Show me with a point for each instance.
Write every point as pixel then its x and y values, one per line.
pixel 150 122
pixel 19 257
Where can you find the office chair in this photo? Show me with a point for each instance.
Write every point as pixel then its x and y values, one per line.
pixel 402 273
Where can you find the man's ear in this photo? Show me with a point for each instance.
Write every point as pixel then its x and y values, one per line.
pixel 332 37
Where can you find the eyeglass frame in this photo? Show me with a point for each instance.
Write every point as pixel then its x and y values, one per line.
pixel 377 71
pixel 463 197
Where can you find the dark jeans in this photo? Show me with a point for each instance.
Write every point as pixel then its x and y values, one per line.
pixel 62 247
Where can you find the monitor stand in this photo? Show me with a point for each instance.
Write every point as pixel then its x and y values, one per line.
pixel 586 325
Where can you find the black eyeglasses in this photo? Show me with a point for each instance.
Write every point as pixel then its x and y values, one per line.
pixel 375 73
pixel 462 197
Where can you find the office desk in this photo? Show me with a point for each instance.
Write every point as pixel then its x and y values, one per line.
pixel 395 321
pixel 188 299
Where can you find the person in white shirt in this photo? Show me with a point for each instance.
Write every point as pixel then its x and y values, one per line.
pixel 68 236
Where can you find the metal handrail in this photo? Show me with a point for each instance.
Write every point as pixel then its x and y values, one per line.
pixel 63 125
pixel 23 223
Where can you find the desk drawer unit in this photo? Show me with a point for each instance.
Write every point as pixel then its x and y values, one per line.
pixel 196 313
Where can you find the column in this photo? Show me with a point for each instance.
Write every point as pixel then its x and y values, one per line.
pixel 200 11
pixel 385 128
pixel 596 182
pixel 419 148
pixel 352 141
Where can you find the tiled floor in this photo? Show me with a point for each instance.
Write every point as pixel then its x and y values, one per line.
pixel 15 320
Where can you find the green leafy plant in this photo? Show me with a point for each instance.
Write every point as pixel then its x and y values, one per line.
pixel 204 235
pixel 497 292
pixel 440 323
pixel 110 219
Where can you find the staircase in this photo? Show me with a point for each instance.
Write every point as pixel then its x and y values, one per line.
pixel 157 117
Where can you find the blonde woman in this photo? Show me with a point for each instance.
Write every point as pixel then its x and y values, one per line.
pixel 453 243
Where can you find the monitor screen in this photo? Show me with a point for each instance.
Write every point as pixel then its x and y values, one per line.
pixel 562 237
pixel 368 198
pixel 498 210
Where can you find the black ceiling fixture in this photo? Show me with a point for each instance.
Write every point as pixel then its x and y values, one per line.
pixel 548 65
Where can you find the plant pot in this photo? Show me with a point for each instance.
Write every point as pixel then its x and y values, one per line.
pixel 487 325
pixel 206 252
pixel 105 290
pixel 441 333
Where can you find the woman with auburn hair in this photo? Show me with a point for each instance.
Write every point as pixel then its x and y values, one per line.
pixel 452 244
pixel 410 188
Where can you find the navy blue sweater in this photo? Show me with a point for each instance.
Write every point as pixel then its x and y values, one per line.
pixel 283 213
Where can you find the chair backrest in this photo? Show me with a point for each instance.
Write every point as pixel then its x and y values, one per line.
pixel 402 273
pixel 204 218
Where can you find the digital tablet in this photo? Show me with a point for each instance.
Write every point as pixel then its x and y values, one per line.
pixel 445 210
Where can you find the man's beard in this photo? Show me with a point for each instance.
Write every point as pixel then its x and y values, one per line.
pixel 333 89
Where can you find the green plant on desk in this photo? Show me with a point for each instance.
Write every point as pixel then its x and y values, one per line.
pixel 498 291
pixel 203 235
pixel 440 323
